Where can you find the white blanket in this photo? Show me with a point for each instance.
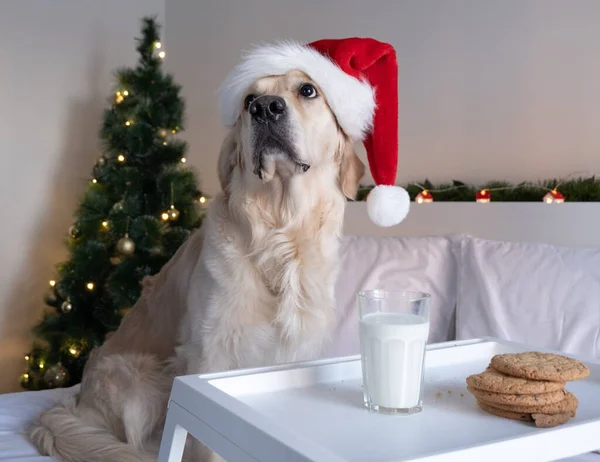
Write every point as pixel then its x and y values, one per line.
pixel 17 410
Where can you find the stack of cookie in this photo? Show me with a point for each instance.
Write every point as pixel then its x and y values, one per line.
pixel 529 387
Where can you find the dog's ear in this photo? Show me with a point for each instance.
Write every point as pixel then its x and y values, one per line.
pixel 228 157
pixel 351 169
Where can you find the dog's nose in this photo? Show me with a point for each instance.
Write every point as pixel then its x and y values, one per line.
pixel 267 107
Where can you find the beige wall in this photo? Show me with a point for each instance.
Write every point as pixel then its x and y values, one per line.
pixel 489 89
pixel 57 59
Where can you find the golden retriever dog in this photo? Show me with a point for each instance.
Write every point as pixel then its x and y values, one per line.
pixel 253 287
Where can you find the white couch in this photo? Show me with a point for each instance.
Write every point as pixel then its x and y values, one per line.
pixel 538 294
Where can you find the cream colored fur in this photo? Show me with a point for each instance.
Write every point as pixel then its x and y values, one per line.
pixel 254 286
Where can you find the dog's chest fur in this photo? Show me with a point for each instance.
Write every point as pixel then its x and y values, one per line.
pixel 265 300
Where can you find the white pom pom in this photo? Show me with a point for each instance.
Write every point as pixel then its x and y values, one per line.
pixel 388 205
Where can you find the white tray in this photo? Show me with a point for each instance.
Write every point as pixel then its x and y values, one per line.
pixel 314 412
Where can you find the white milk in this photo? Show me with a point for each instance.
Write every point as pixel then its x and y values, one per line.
pixel 393 349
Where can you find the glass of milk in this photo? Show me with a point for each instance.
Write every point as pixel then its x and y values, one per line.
pixel 394 326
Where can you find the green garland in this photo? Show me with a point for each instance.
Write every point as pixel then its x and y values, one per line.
pixel 578 190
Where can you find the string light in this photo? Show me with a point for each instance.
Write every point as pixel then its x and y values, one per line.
pixel 165 216
pixel 157 45
pixel 424 197
pixel 26 357
pixel 165 143
pixel 74 351
pixel 90 286
pixel 26 376
pixel 94 180
pixel 163 132
pixel 173 131
pixel 183 160
pixel 52 282
pixel 105 224
pixel 125 93
pixel 202 200
pixel 121 158
pixel 119 97
pixel 41 365
pixel 129 123
pixel 162 54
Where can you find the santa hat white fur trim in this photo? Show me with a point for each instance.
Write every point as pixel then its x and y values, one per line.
pixel 351 100
pixel 387 205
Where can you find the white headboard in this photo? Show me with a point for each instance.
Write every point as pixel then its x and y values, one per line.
pixel 575 224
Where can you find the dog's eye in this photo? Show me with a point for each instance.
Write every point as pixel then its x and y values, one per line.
pixel 248 101
pixel 308 91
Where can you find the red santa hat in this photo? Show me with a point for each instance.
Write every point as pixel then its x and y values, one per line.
pixel 359 79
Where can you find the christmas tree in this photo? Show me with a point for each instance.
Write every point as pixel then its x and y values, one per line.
pixel 139 207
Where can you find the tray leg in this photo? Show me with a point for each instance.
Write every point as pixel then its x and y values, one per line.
pixel 173 440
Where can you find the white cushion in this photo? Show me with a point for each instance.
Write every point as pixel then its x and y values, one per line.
pixel 425 264
pixel 537 294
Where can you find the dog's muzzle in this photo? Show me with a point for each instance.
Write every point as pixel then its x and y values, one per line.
pixel 270 120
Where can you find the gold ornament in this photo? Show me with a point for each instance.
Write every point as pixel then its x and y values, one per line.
pixel 156 250
pixel 118 207
pixel 66 306
pixel 173 213
pixel 126 245
pixel 163 132
pixel 56 376
pixel 74 231
pixel 101 161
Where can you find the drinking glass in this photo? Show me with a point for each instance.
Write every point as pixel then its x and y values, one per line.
pixel 394 327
